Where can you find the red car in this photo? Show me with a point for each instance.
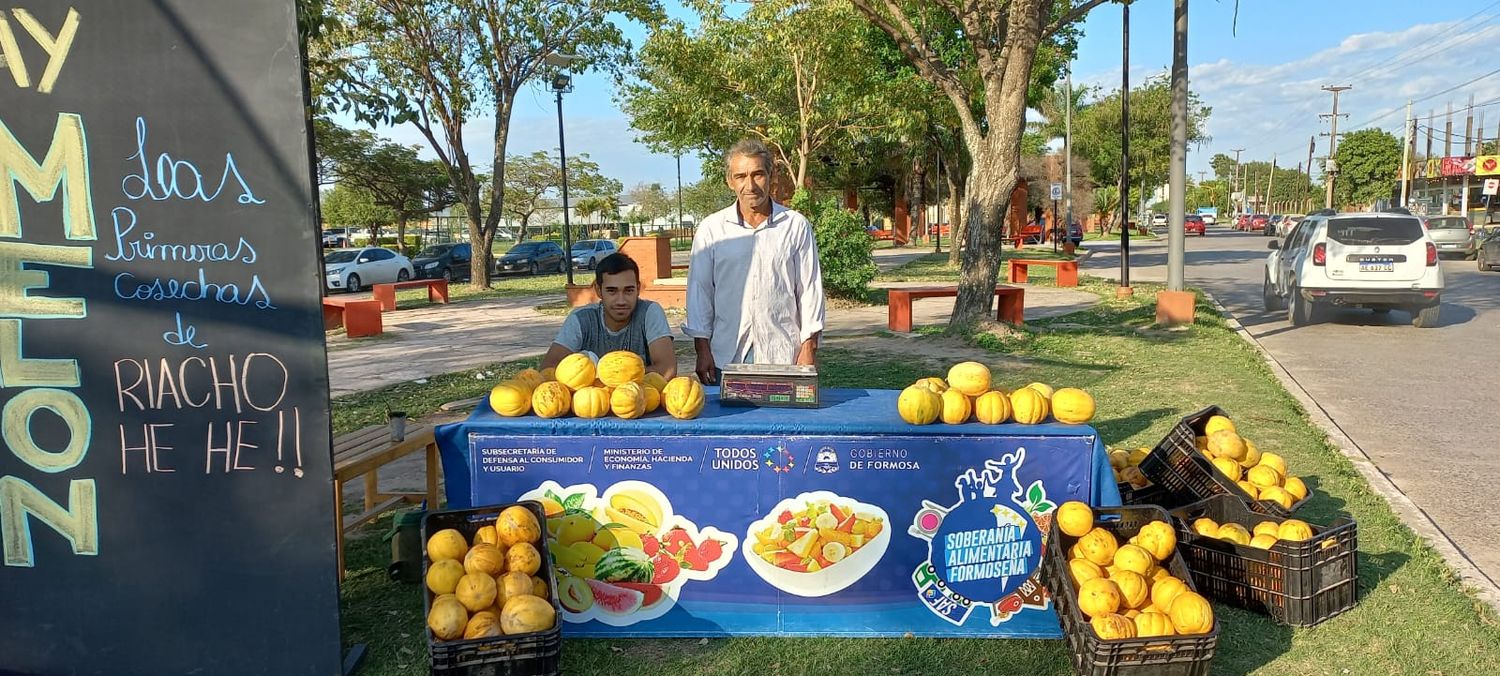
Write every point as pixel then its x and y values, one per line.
pixel 1241 221
pixel 1258 222
pixel 1192 224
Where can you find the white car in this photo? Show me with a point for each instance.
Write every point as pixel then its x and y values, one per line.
pixel 1210 219
pixel 1159 220
pixel 354 269
pixel 1379 261
pixel 587 253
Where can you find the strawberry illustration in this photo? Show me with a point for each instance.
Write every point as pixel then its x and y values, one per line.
pixel 650 544
pixel 711 550
pixel 693 558
pixel 677 540
pixel 667 570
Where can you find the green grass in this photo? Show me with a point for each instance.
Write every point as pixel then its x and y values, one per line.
pixel 501 286
pixel 1412 618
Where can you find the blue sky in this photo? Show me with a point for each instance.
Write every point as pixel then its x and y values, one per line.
pixel 1262 79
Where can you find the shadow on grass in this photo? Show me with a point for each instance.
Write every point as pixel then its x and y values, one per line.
pixel 1131 425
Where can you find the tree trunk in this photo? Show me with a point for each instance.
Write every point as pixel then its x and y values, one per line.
pixel 918 188
pixel 991 179
pixel 958 187
pixel 401 235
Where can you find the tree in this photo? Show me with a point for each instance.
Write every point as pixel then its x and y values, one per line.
pixel 988 78
pixel 790 73
pixel 391 174
pixel 1368 162
pixel 706 196
pixel 350 207
pixel 438 64
pixel 534 182
pixel 1096 133
pixel 651 202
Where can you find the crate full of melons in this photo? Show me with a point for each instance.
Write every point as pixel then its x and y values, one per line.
pixel 1298 573
pixel 1124 595
pixel 1205 455
pixel 490 597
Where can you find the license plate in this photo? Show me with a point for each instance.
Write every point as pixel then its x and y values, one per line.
pixel 1377 267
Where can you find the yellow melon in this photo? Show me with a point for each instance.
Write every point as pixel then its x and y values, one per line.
pixel 576 371
pixel 919 405
pixel 1262 541
pixel 1072 406
pixel 1228 467
pixel 956 407
pixel 1266 528
pixel 523 557
pixel 1164 590
pixel 1134 558
pixel 1134 589
pixel 530 377
pixel 1277 495
pixel 1191 614
pixel 1264 476
pixel 1099 546
pixel 971 378
pixel 443 576
pixel 653 397
pixel 1275 462
pixel 510 400
pixel 1250 489
pixel 683 398
pixel 484 624
pixel 552 400
pixel 1217 423
pixel 1074 518
pixel 1098 597
pixel 655 381
pixel 1028 406
pixel 447 543
pixel 1042 388
pixel 1252 455
pixel 1113 627
pixel 476 591
pixel 1295 488
pixel 620 367
pixel 1158 538
pixel 1148 625
pixel 1226 444
pixel 525 614
pixel 992 408
pixel 1206 527
pixel 591 402
pixel 628 401
pixel 1083 570
pixel 1294 530
pixel 484 558
pixel 447 619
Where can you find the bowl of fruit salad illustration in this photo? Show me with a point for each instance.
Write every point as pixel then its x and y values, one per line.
pixel 817 543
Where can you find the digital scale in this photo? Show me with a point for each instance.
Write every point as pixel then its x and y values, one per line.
pixel 769 385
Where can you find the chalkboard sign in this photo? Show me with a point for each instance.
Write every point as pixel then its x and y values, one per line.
pixel 165 488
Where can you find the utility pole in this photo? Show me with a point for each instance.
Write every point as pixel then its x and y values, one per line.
pixel 1234 180
pixel 1406 141
pixel 1124 289
pixel 1331 167
pixel 1271 182
pixel 1177 173
pixel 1068 152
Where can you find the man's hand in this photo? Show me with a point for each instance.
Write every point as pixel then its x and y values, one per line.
pixel 807 353
pixel 706 369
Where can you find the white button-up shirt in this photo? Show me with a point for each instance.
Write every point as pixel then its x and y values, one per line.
pixel 754 290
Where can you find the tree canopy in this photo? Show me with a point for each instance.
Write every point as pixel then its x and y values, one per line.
pixel 1096 133
pixel 1368 162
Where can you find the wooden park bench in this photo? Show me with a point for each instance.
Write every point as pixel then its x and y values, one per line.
pixel 360 317
pixel 1067 271
pixel 437 291
pixel 1012 303
pixel 361 454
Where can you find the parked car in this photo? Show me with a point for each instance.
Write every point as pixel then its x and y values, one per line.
pixel 1210 219
pixel 533 258
pixel 354 269
pixel 1452 234
pixel 1193 224
pixel 444 261
pixel 587 253
pixel 335 237
pixel 1257 223
pixel 1379 261
pixel 1487 251
pixel 1242 222
pixel 1158 220
pixel 1273 224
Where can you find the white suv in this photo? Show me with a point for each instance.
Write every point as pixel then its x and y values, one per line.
pixel 1380 261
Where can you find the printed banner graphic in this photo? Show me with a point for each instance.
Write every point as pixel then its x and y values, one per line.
pixel 854 536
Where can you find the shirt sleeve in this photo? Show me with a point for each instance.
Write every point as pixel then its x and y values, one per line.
pixel 571 333
pixel 810 306
pixel 656 325
pixel 700 286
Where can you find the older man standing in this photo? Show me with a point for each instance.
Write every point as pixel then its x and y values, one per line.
pixel 755 290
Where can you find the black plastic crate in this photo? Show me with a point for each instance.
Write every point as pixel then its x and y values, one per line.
pixel 1186 477
pixel 1150 494
pixel 519 655
pixel 1155 656
pixel 1296 583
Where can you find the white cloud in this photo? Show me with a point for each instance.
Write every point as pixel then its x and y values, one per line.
pixel 1274 108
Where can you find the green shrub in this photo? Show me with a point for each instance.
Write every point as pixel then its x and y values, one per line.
pixel 843 245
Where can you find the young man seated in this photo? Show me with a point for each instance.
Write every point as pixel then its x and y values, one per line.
pixel 619 321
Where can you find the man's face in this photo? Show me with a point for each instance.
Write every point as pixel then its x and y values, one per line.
pixel 750 179
pixel 619 293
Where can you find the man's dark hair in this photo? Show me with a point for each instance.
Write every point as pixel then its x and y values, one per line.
pixel 615 264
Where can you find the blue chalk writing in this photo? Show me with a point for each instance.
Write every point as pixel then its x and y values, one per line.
pixel 197 290
pixel 129 248
pixel 183 335
pixel 178 178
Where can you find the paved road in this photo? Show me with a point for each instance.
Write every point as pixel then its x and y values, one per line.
pixel 1422 403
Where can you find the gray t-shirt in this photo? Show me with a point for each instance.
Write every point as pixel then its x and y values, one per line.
pixel 648 318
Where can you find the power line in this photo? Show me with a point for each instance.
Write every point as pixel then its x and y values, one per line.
pixel 1429 97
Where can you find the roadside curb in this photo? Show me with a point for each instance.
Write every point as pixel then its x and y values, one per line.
pixel 1484 588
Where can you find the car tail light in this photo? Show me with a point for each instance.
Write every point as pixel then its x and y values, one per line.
pixel 1320 254
pixel 1431 254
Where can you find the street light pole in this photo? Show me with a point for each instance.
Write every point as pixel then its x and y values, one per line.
pixel 1177 198
pixel 1068 152
pixel 1125 153
pixel 561 84
pixel 679 190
